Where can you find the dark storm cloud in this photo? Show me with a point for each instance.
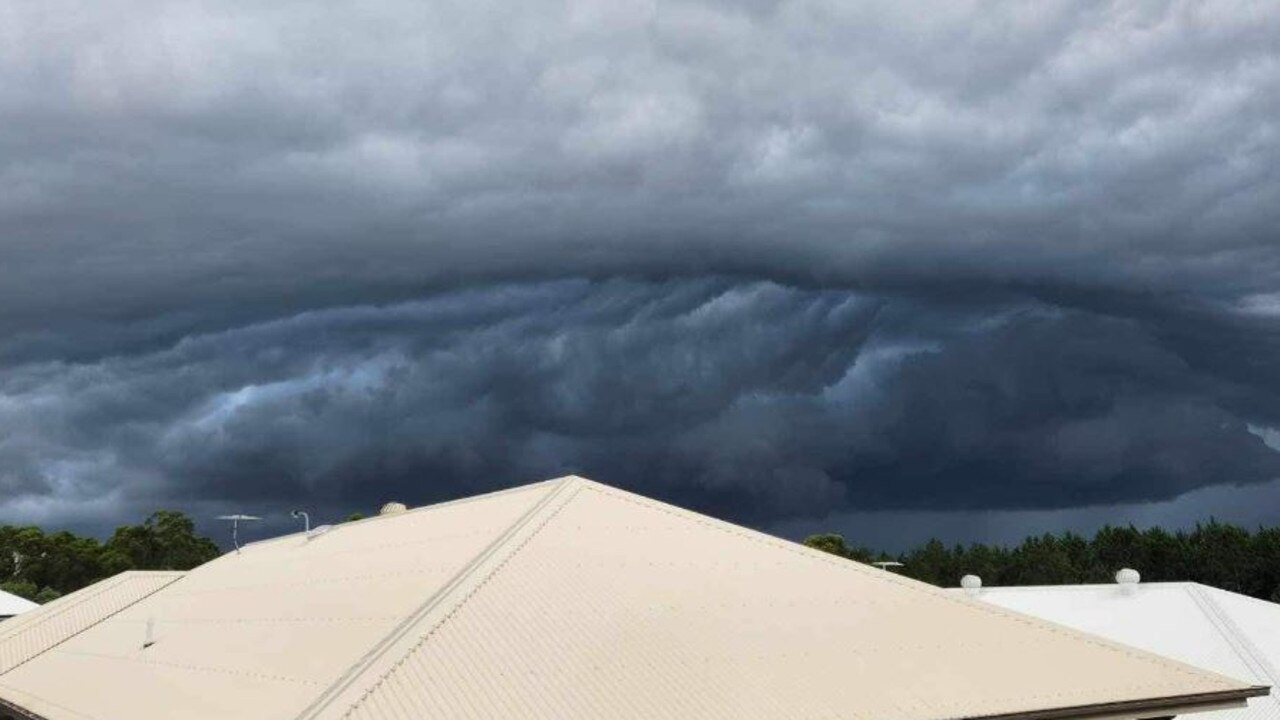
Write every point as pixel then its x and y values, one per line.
pixel 170 166
pixel 767 258
pixel 751 400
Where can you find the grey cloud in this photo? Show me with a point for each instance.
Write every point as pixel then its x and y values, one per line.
pixel 751 400
pixel 895 531
pixel 765 258
pixel 180 167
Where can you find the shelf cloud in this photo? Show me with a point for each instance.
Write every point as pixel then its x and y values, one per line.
pixel 770 259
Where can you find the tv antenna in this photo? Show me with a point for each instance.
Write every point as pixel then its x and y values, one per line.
pixel 235 526
pixel 306 519
pixel 886 564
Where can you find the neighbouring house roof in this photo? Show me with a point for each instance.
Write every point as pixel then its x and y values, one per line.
pixel 1232 634
pixel 569 600
pixel 11 605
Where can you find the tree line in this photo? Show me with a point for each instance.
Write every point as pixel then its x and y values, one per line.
pixel 1214 553
pixel 43 566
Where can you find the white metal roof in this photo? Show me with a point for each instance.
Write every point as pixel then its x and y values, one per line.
pixel 571 600
pixel 1214 629
pixel 11 605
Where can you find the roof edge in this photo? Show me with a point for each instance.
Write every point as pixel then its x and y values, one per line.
pixel 18 711
pixel 74 600
pixel 1173 705
pixel 1095 586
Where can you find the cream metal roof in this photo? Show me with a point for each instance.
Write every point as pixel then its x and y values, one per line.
pixel 1214 629
pixel 11 605
pixel 570 600
pixel 28 635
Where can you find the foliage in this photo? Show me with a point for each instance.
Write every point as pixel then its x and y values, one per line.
pixel 1214 553
pixel 166 541
pixel 43 566
pixel 835 545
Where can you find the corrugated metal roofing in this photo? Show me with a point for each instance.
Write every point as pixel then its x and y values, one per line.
pixel 612 605
pixel 572 600
pixel 1207 627
pixel 261 633
pixel 32 633
pixel 11 605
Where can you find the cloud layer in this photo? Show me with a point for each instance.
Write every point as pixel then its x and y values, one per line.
pixel 198 162
pixel 750 400
pixel 767 258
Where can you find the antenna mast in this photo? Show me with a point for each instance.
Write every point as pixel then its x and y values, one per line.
pixel 235 526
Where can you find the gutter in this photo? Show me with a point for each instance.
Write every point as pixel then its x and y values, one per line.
pixel 17 712
pixel 1161 707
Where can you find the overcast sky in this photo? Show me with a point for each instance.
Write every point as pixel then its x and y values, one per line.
pixel 896 269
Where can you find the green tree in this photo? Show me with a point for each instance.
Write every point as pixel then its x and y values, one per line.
pixel 21 588
pixel 1215 553
pixel 34 564
pixel 165 541
pixel 43 566
pixel 1221 557
pixel 834 543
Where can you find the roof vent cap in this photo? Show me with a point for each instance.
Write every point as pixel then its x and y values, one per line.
pixel 1128 576
pixel 972 583
pixel 392 508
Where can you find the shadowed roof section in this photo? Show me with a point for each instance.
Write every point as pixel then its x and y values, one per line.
pixel 570 599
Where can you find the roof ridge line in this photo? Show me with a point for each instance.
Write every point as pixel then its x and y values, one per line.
pixel 1235 637
pixel 344 682
pixel 119 577
pixel 420 509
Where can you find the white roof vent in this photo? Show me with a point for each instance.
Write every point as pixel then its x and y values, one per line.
pixel 392 508
pixel 971 583
pixel 1128 576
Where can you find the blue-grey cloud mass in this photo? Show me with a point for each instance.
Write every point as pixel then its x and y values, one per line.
pixel 779 261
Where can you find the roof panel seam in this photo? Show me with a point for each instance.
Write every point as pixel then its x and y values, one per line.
pixel 570 490
pixel 459 579
pixel 194 668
